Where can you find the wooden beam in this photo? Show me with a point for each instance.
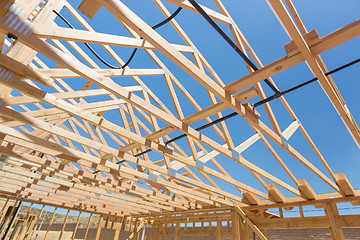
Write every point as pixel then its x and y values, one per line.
pixel 106 168
pixel 285 19
pixel 24 71
pixel 4 6
pixel 306 189
pixel 311 38
pixel 299 201
pixel 37 221
pixel 56 181
pixel 60 33
pixel 66 73
pixel 89 8
pixel 290 130
pixel 253 199
pixel 326 43
pixel 344 184
pixel 275 193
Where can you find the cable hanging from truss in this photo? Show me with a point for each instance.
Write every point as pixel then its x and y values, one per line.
pixel 134 51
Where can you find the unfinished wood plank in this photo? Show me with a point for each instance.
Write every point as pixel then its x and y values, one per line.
pixel 336 232
pixel 59 33
pixel 89 8
pixel 50 223
pixel 98 230
pixel 275 193
pixel 64 224
pixel 56 148
pixel 306 189
pixel 344 184
pixel 327 42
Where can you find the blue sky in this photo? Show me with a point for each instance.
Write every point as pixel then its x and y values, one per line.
pixel 267 38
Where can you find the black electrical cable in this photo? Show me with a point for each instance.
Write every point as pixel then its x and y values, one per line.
pixel 256 104
pixel 86 44
pixel 204 126
pixel 154 27
pixel 134 51
pixel 125 160
pixel 229 41
pixel 168 19
pixel 275 96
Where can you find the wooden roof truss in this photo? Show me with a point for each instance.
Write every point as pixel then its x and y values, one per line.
pixel 55 137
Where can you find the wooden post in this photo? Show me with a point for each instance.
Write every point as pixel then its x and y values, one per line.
pixel 235 225
pixel 116 235
pixel 37 222
pixel 331 212
pixel 117 229
pixel 8 218
pixel 51 221
pixel 142 235
pixel 249 232
pixel 98 231
pixel 24 222
pixel 250 223
pixel 76 226
pixel 63 227
pixel 219 229
pixel 3 212
pixel 164 231
pixel 17 224
pixel 30 228
pixel 301 211
pixel 158 231
pixel 135 229
pixel 123 223
pixel 88 226
pixel 177 228
pixel 152 236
